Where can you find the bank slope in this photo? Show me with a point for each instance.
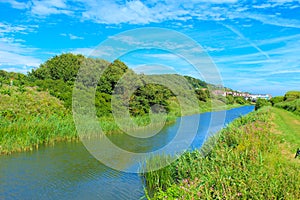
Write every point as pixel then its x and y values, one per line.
pixel 252 159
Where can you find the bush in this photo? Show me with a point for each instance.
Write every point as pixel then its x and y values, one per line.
pixel 292 106
pixel 291 95
pixel 277 99
pixel 261 103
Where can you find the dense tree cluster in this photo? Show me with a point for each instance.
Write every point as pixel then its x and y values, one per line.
pixel 150 92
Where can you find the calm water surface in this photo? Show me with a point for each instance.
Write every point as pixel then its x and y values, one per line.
pixel 68 171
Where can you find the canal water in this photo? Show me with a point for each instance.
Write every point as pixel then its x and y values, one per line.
pixel 69 171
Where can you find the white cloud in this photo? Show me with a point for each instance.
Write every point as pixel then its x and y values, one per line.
pixel 137 12
pixel 41 7
pixel 273 20
pixel 49 7
pixel 17 4
pixel 152 11
pixel 13 54
pixel 17 59
pixel 72 37
pixel 8 29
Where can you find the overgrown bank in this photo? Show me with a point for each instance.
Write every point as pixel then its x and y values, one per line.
pixel 252 159
pixel 35 109
pixel 31 118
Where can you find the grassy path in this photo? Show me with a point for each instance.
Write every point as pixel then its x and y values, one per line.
pixel 287 125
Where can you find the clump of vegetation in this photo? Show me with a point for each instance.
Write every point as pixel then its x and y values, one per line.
pixel 292 106
pixel 290 102
pixel 246 162
pixel 292 95
pixel 29 118
pixel 236 100
pixel 261 103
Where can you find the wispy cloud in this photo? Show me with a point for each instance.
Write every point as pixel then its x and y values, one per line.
pixel 17 4
pixel 145 12
pixel 273 20
pixel 246 39
pixel 8 29
pixel 72 37
pixel 49 7
pixel 15 56
pixel 12 51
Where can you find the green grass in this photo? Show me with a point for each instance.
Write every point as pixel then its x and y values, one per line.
pixel 248 161
pixel 288 125
pixel 29 134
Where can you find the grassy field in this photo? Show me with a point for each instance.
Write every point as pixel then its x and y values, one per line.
pixel 253 158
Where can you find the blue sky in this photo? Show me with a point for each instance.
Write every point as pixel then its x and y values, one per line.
pixel 254 44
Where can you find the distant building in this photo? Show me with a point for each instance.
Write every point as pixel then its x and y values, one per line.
pixel 245 95
pixel 254 97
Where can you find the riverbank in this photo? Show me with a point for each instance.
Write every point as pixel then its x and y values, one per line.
pixel 24 129
pixel 253 158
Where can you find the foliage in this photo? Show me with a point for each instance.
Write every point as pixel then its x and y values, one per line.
pixel 202 95
pixel 240 100
pixel 261 103
pixel 196 83
pixel 46 92
pixel 230 99
pixel 245 163
pixel 29 103
pixel 292 95
pixel 290 102
pixel 63 67
pixel 277 99
pixel 292 106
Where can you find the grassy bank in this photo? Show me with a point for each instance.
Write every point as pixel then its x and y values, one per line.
pixel 251 159
pixel 30 118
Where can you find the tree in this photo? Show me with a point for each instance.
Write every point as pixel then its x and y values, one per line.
pixel 64 67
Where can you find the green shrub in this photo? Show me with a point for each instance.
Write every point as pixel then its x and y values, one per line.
pixel 277 99
pixel 292 106
pixel 291 95
pixel 261 103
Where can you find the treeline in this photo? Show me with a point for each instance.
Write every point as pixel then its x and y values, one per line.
pixel 57 76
